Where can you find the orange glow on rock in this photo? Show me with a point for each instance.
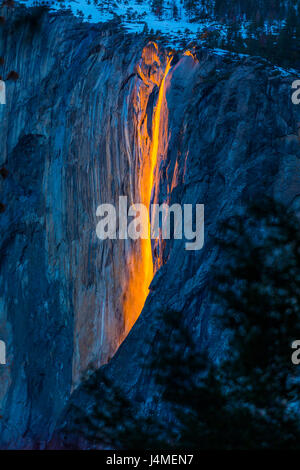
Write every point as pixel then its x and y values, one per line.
pixel 140 262
pixel 189 53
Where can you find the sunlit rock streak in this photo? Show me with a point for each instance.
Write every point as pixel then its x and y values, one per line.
pixel 152 73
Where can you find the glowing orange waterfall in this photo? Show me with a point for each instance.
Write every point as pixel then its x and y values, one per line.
pixel 141 269
pixel 147 181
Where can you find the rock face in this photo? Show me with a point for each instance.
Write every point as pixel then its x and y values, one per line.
pixel 65 138
pixel 77 131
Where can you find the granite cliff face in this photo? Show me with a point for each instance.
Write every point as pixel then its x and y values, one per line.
pixel 97 114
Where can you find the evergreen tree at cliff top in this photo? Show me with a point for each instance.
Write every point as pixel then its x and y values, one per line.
pixel 247 401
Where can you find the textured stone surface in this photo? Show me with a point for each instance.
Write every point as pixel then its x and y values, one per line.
pixel 69 142
pixel 64 132
pixel 233 134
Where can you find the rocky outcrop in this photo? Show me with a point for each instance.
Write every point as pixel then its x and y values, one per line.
pixel 73 133
pixel 65 137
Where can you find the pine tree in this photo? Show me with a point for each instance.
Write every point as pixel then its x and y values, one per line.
pixel 157 7
pixel 259 285
pixel 175 10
